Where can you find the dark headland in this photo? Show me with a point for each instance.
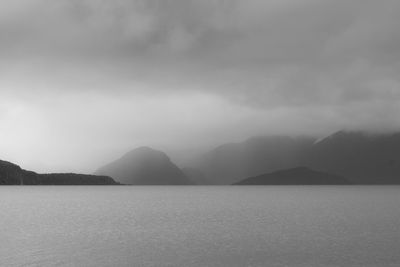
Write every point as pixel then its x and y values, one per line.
pixel 12 174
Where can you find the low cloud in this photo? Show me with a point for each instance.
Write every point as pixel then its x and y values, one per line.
pixel 213 70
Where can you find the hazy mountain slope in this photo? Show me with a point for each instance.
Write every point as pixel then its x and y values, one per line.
pixel 295 176
pixel 145 166
pixel 367 159
pixel 364 158
pixel 231 162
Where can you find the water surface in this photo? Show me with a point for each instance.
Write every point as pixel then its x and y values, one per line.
pixel 200 226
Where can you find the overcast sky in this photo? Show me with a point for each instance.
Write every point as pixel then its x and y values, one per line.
pixel 83 81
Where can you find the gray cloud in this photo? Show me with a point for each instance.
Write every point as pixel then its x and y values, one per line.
pixel 120 72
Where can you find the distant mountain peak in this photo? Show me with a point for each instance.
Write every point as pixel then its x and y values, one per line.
pixel 143 149
pixel 145 166
pixel 144 153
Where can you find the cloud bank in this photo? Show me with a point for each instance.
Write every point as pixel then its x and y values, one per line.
pixel 82 81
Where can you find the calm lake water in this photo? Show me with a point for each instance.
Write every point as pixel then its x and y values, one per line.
pixel 200 226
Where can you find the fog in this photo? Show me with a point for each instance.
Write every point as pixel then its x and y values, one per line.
pixel 84 81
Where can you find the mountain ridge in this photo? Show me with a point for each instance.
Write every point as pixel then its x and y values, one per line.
pixel 366 158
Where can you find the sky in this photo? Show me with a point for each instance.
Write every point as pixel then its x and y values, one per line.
pixel 84 81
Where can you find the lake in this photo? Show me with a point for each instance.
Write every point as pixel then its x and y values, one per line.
pixel 200 226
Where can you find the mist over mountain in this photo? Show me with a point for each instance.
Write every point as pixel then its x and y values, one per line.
pixel 295 176
pixel 189 75
pixel 361 157
pixel 365 158
pixel 231 162
pixel 12 174
pixel 145 166
pixel 196 176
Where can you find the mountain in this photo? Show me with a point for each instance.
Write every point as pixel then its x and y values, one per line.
pixel 145 166
pixel 12 174
pixel 362 157
pixel 295 176
pixel 366 158
pixel 231 162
